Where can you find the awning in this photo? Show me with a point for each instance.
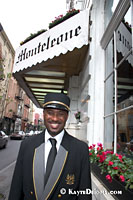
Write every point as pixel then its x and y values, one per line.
pixel 46 63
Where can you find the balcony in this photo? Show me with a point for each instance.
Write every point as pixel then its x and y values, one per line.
pixel 17 116
pixel 18 97
pixel 27 105
pixel 25 119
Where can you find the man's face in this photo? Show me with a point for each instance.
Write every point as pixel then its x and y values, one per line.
pixel 55 120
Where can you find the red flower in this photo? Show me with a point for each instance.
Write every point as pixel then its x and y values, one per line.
pixel 102 158
pixel 104 153
pixel 119 156
pixel 122 178
pixel 110 163
pixel 90 147
pixel 90 154
pixel 93 145
pixel 115 168
pixel 98 148
pixel 99 144
pixel 110 152
pixel 109 178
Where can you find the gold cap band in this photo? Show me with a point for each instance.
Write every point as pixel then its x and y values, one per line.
pixel 56 102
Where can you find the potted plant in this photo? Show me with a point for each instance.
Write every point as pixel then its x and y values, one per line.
pixel 114 170
pixel 78 116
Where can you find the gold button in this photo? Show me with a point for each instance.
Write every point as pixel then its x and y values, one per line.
pixel 59 195
pixel 31 193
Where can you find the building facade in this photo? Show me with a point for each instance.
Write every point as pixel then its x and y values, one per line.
pixel 14 103
pixel 18 113
pixel 103 90
pixel 38 120
pixel 7 54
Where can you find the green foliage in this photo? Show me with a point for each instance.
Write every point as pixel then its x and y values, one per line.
pixel 1 61
pixel 2 76
pixel 9 75
pixel 33 36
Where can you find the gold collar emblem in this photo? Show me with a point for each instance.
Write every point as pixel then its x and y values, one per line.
pixel 70 179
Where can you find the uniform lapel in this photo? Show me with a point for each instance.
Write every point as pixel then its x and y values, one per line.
pixel 39 170
pixel 55 173
pixel 42 193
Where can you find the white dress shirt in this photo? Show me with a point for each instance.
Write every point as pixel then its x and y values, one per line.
pixel 48 144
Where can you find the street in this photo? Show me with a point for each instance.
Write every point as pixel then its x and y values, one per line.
pixel 7 162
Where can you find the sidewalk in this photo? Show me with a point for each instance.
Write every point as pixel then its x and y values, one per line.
pixel 100 192
pixel 5 181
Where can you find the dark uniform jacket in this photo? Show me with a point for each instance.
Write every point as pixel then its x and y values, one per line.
pixel 70 176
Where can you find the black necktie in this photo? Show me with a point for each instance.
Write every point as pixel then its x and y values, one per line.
pixel 51 158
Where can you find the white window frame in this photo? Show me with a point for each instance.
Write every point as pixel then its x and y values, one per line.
pixel 110 33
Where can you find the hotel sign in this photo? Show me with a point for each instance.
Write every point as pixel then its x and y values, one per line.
pixel 72 33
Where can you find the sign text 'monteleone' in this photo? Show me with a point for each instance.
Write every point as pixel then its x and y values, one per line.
pixel 49 43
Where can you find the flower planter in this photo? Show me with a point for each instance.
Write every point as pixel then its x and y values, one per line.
pixel 32 36
pixel 115 185
pixel 63 18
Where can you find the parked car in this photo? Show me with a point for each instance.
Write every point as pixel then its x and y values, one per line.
pixel 17 135
pixel 22 133
pixel 37 132
pixel 29 134
pixel 3 139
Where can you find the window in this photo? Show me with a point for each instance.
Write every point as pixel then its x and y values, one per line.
pixel 118 81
